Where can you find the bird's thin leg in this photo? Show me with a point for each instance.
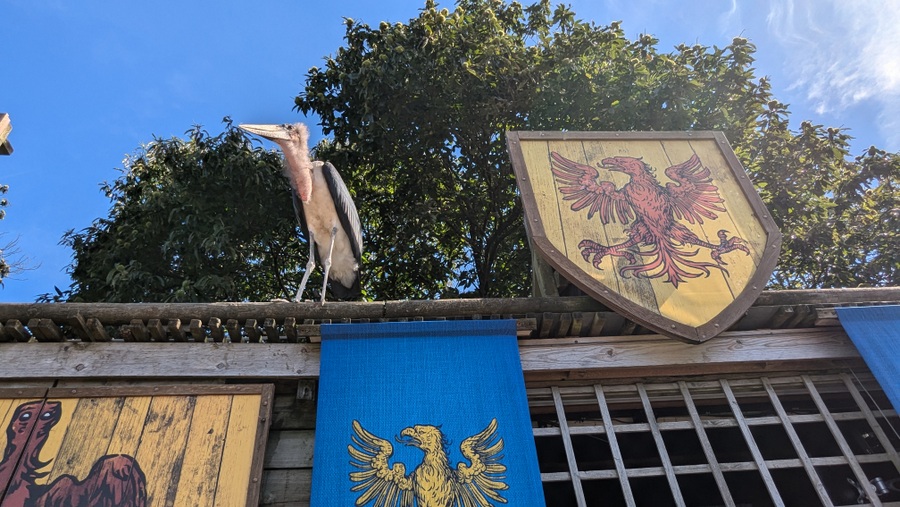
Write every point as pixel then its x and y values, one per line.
pixel 326 262
pixel 310 265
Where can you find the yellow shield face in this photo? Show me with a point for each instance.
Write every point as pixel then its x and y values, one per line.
pixel 664 227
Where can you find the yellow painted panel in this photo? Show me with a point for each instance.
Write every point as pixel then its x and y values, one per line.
pixel 697 300
pixel 178 441
pixel 130 427
pixel 161 450
pixel 54 442
pixel 537 156
pixel 203 454
pixel 237 457
pixel 637 290
pixel 81 436
pixel 7 407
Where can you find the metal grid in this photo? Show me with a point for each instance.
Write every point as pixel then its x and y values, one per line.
pixel 803 439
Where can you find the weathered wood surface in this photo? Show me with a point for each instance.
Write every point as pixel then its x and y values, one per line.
pixel 289 449
pixel 549 359
pixel 115 314
pixel 286 488
pixel 143 360
pixel 185 444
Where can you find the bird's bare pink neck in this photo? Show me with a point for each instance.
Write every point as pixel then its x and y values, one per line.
pixel 299 165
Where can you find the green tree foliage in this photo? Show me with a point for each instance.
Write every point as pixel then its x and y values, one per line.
pixel 208 218
pixel 418 112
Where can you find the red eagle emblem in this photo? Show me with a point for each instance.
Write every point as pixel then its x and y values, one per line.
pixel 654 212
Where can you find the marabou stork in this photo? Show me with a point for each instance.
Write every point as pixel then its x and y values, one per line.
pixel 324 209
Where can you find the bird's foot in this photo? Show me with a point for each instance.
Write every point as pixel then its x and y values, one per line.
pixel 599 251
pixel 589 248
pixel 726 245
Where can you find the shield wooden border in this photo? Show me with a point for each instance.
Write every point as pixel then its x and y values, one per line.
pixel 765 255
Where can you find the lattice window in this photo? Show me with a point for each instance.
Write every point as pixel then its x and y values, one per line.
pixel 781 440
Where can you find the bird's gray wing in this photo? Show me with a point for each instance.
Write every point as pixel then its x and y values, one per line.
pixel 346 210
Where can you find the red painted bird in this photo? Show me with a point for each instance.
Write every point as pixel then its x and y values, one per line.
pixel 114 480
pixel 654 212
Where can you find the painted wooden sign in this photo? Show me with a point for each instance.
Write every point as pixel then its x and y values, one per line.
pixel 134 447
pixel 664 227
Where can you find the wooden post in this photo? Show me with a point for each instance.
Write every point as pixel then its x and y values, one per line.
pixel 5 129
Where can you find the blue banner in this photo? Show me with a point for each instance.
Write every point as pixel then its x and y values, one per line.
pixel 875 330
pixel 423 414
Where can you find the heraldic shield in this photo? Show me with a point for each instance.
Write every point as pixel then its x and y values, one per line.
pixel 663 227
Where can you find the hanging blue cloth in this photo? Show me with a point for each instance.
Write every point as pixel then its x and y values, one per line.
pixel 875 330
pixel 423 413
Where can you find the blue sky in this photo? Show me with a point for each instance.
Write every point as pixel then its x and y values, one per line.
pixel 87 83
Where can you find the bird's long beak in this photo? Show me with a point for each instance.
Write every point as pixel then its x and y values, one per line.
pixel 270 132
pixel 610 164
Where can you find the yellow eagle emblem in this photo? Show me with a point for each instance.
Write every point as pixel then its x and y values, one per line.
pixel 433 483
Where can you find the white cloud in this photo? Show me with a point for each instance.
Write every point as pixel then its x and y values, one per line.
pixel 842 54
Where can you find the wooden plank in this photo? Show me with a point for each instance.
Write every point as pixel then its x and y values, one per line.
pixel 234 331
pixel 216 331
pixel 155 360
pixel 15 330
pixel 525 327
pixel 646 355
pixel 271 330
pixel 96 330
pixel 198 333
pixel 547 323
pixel 706 445
pixel 751 444
pixel 660 446
pixel 87 436
pixel 138 330
pixel 621 474
pixel 165 429
pixel 290 330
pixel 203 452
pixel 797 444
pixel 597 322
pixel 263 426
pixel 291 413
pixel 567 444
pixel 286 488
pixel 157 331
pixel 45 330
pixel 655 355
pixel 860 474
pixel 289 449
pixel 130 425
pixel 251 330
pixel 78 326
pixel 176 330
pixel 577 324
pixel 565 323
pixel 114 314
